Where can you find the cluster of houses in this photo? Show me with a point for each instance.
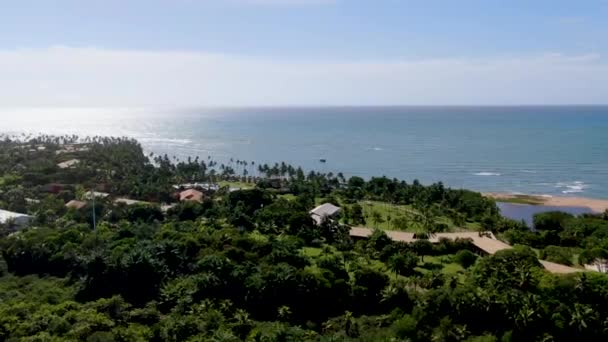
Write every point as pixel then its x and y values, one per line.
pixel 486 243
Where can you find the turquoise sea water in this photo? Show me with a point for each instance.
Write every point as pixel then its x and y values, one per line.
pixel 537 150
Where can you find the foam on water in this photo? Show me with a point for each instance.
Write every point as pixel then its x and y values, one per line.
pixel 572 187
pixel 486 173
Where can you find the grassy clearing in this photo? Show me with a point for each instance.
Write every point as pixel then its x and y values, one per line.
pixel 312 252
pixel 443 263
pixel 241 185
pixel 289 197
pixel 392 211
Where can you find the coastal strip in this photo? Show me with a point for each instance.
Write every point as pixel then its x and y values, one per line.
pixel 596 205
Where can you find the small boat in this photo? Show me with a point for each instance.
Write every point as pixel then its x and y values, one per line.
pixel 322 160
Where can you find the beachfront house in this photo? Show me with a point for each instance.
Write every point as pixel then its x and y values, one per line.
pixel 191 195
pixel 14 220
pixel 326 211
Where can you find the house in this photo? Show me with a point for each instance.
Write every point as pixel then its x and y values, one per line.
pixel 94 194
pixel 599 265
pixel 274 182
pixel 71 148
pixel 191 195
pixel 75 204
pixel 68 163
pixel 325 211
pixel 129 201
pixel 205 187
pixel 53 188
pixel 485 242
pixel 15 220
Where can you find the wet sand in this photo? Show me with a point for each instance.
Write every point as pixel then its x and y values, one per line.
pixel 596 205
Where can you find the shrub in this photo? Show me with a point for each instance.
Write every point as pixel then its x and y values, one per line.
pixel 551 220
pixel 557 254
pixel 465 258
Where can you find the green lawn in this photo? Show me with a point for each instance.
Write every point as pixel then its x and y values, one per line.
pixel 241 185
pixel 312 252
pixel 443 263
pixel 385 210
pixel 393 211
pixel 289 197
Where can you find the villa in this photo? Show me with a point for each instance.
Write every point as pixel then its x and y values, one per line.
pixel 325 211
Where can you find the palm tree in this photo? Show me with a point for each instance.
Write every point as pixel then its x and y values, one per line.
pixel 284 313
pixel 377 219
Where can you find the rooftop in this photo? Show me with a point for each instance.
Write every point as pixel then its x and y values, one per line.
pixel 486 242
pixel 325 209
pixel 191 195
pixel 76 204
pixel 6 215
pixel 68 163
pixel 129 201
pixel 95 194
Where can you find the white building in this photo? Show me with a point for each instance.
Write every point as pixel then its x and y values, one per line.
pixel 89 195
pixel 16 220
pixel 324 211
pixel 600 265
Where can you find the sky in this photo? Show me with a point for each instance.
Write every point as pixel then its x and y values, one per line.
pixel 302 52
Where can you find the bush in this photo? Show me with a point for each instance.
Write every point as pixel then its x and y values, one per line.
pixel 403 264
pixel 3 267
pixel 551 220
pixel 405 327
pixel 557 254
pixel 465 258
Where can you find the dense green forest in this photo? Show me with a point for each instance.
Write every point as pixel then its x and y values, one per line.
pixel 250 264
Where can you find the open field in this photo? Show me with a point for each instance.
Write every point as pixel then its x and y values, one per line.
pixel 443 263
pixel 241 185
pixel 389 212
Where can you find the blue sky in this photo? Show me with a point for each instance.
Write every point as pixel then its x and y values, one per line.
pixel 266 45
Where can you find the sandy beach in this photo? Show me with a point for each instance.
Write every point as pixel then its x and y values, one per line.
pixel 597 205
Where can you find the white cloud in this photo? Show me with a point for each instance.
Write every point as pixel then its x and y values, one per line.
pixel 66 76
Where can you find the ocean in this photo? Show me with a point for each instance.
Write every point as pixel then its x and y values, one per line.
pixel 532 150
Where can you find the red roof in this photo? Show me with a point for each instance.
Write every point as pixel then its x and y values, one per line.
pixel 191 195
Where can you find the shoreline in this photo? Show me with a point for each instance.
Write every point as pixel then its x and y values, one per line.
pixel 596 205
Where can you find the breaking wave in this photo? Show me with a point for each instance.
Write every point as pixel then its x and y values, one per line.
pixel 572 187
pixel 485 173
